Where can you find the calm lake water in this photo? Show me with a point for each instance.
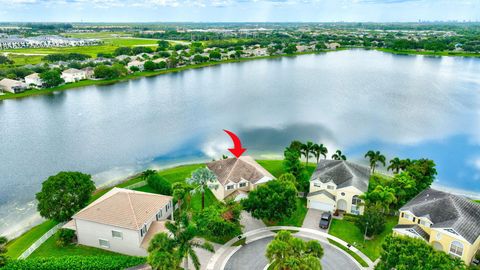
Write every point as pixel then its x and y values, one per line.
pixel 405 106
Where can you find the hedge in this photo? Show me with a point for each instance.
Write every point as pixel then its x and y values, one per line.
pixel 75 262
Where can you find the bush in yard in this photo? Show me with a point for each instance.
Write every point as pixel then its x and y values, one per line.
pixel 113 262
pixel 273 201
pixel 374 217
pixel 219 223
pixel 51 78
pixel 65 237
pixel 160 184
pixel 404 253
pixel 64 194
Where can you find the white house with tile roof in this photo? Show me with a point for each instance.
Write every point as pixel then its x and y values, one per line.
pixel 122 221
pixel 237 176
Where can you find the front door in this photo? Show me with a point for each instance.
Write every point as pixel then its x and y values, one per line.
pixel 342 205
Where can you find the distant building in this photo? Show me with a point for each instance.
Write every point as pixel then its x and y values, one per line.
pixel 135 63
pixel 122 221
pixel 15 42
pixel 12 86
pixel 332 46
pixel 89 72
pixel 73 75
pixel 33 80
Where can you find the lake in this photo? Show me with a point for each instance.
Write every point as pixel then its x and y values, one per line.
pixel 355 100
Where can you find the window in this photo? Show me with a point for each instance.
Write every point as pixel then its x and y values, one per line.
pixel 413 219
pixel 451 231
pixel 230 187
pixel 117 234
pixel 143 231
pixel 104 243
pixel 407 216
pixel 330 187
pixel 315 184
pixel 242 184
pixel 402 214
pixel 456 248
pixel 424 223
pixel 343 193
pixel 356 200
pixel 159 215
pixel 355 210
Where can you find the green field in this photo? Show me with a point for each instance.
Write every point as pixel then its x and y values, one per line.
pixel 350 233
pixel 17 246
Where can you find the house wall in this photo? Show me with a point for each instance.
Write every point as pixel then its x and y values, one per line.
pixel 89 233
pixel 445 238
pixel 321 198
pixel 219 192
pixel 349 192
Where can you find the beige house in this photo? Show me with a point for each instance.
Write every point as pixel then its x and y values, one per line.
pixel 448 222
pixel 337 184
pixel 122 221
pixel 33 80
pixel 236 177
pixel 73 75
pixel 12 86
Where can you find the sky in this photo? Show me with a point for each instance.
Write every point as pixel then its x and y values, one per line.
pixel 238 10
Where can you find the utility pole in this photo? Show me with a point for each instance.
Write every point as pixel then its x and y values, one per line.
pixel 365 235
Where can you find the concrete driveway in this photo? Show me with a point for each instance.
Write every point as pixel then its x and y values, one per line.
pixel 252 257
pixel 312 220
pixel 250 223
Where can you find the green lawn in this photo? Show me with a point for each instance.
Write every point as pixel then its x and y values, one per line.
pixel 275 167
pixel 347 231
pixel 21 60
pixel 17 246
pixel 353 254
pixel 180 173
pixel 50 249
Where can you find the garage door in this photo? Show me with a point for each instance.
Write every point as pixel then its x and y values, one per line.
pixel 321 206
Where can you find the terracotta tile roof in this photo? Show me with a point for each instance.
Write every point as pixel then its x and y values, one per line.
pixel 124 208
pixel 234 170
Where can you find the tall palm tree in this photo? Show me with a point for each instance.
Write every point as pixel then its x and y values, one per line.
pixel 203 178
pixel 147 173
pixel 307 149
pixel 320 150
pixel 162 253
pixel 181 192
pixel 395 165
pixel 184 234
pixel 375 157
pixel 405 163
pixel 383 196
pixel 339 155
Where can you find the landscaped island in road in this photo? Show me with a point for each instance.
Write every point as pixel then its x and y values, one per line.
pixel 227 198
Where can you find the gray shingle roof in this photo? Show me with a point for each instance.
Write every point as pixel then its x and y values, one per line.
pixel 328 194
pixel 446 210
pixel 343 174
pixel 415 229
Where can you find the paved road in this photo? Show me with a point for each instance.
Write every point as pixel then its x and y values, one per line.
pixel 252 257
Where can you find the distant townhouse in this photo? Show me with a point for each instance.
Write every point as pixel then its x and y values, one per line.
pixel 448 222
pixel 122 221
pixel 337 185
pixel 73 75
pixel 136 63
pixel 33 80
pixel 236 177
pixel 12 86
pixel 89 72
pixel 332 46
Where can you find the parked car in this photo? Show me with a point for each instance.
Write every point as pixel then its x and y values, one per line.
pixel 325 220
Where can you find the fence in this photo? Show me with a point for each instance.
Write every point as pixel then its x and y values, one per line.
pixel 40 241
pixel 137 185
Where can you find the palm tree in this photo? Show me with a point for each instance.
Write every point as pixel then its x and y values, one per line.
pixel 162 253
pixel 147 173
pixel 320 150
pixel 287 252
pixel 395 165
pixel 181 192
pixel 339 156
pixel 184 234
pixel 405 163
pixel 307 149
pixel 382 195
pixel 375 157
pixel 203 178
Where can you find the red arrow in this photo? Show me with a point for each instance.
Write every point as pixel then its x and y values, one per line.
pixel 237 149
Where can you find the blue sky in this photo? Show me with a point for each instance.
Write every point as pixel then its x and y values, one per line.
pixel 239 10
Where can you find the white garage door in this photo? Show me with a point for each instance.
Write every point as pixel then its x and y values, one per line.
pixel 321 206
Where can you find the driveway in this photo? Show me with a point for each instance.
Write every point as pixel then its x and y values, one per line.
pixel 312 219
pixel 252 257
pixel 250 223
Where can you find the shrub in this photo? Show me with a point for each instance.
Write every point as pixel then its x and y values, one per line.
pixel 65 237
pixel 160 184
pixel 114 262
pixel 219 224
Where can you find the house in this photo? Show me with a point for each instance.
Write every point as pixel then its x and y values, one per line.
pixel 33 80
pixel 332 46
pixel 89 72
pixel 236 177
pixel 135 63
pixel 337 185
pixel 122 221
pixel 73 75
pixel 448 222
pixel 12 86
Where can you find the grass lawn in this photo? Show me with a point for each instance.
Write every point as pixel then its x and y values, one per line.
pixel 21 60
pixel 17 246
pixel 50 249
pixel 297 217
pixel 180 173
pixel 347 231
pixel 353 254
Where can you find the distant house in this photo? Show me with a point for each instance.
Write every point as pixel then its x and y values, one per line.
pixel 448 222
pixel 73 75
pixel 332 46
pixel 337 185
pixel 236 177
pixel 89 72
pixel 12 86
pixel 122 221
pixel 33 80
pixel 136 63
pixel 122 57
